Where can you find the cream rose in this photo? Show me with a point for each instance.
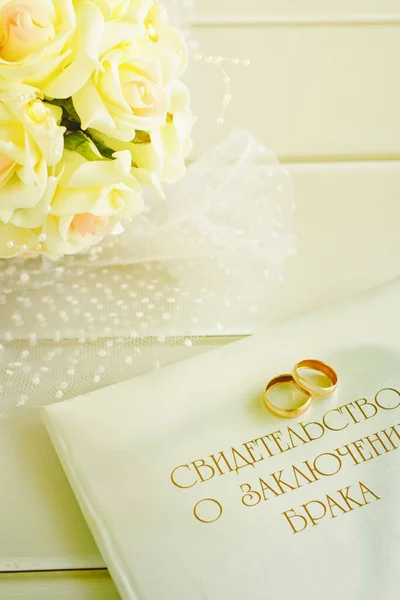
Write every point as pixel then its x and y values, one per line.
pixel 31 141
pixel 165 41
pixel 141 9
pixel 162 152
pixel 33 34
pixel 50 44
pixel 15 240
pixel 135 11
pixel 125 94
pixel 156 32
pixel 24 28
pixel 91 200
pixel 108 71
pixel 115 9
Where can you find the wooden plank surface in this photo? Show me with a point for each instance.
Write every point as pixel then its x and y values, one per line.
pixel 292 9
pixel 42 526
pixel 78 585
pixel 347 221
pixel 310 93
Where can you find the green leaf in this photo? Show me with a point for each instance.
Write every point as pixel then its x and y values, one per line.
pixel 101 147
pixel 77 141
pixel 83 142
pixel 69 112
pixel 70 125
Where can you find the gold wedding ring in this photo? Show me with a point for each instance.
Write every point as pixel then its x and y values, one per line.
pixel 319 367
pixel 286 413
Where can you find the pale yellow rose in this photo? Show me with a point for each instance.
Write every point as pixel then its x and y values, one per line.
pixel 31 141
pixel 162 152
pixel 135 10
pixel 33 34
pixel 137 21
pixel 127 91
pixel 155 29
pixel 49 44
pixel 83 49
pixel 91 200
pixel 173 142
pixel 15 240
pixel 24 28
pixel 165 40
pixel 141 9
pixel 125 94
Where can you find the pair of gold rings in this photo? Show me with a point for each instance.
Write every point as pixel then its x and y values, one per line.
pixel 307 387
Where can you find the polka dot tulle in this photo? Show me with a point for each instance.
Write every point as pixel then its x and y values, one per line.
pixel 195 263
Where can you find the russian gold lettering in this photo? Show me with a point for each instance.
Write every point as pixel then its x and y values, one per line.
pixel 359 446
pixel 277 477
pixel 362 403
pixel 295 516
pixel 200 465
pixel 324 473
pixel 293 434
pixel 347 499
pixel 312 470
pixel 330 427
pixel 183 487
pixel 263 441
pixel 235 455
pixel 315 518
pixel 276 437
pixel 346 407
pixel 251 497
pixel 306 426
pixel 365 490
pixel 216 461
pixel 379 402
pixel 265 486
pixel 217 513
pixel 250 449
pixel 333 504
pixel 389 435
pixel 376 439
pixel 296 472
pixel 346 451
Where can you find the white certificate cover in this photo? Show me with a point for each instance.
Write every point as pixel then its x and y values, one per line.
pixel 194 491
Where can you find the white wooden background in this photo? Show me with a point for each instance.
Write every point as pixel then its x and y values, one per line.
pixel 323 91
pixel 296 9
pixel 322 83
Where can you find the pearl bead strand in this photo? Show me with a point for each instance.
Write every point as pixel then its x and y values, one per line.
pixel 220 62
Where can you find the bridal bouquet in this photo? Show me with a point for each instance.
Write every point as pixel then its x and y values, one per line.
pixel 91 109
